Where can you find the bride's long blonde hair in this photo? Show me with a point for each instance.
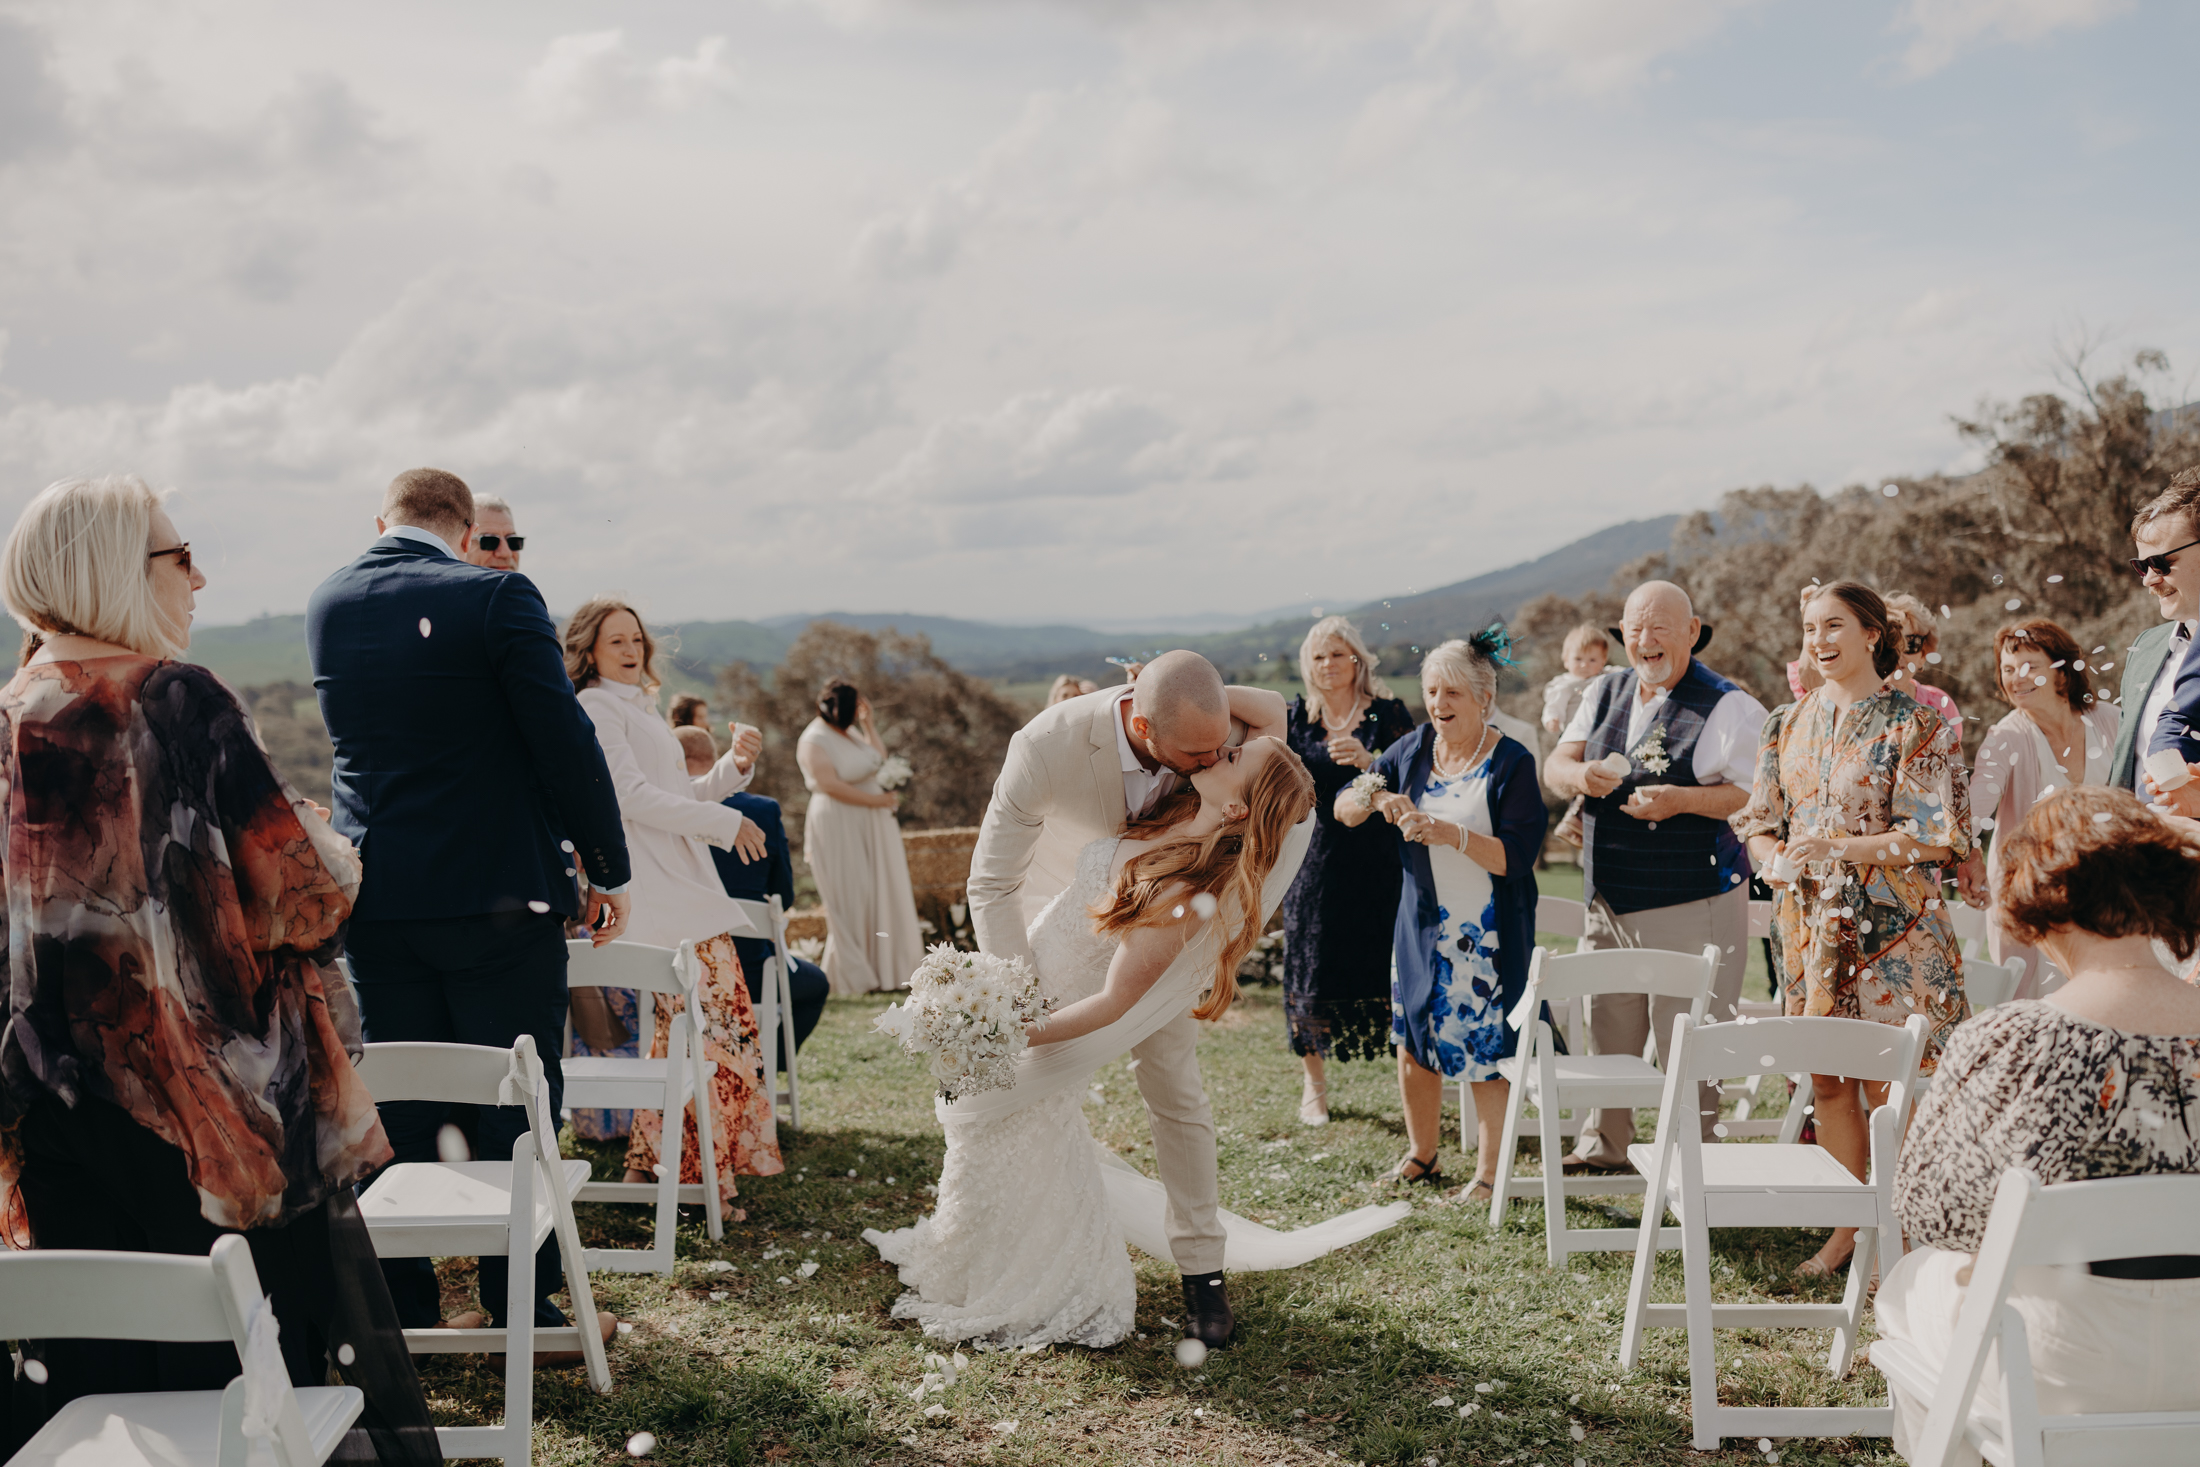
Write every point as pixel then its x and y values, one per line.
pixel 1229 864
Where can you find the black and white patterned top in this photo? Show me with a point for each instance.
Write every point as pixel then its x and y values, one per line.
pixel 2026 1084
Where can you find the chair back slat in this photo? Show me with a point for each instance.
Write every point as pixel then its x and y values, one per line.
pixel 1861 1049
pixel 457 1074
pixel 1986 983
pixel 1558 976
pixel 2115 1217
pixel 84 1294
pixel 623 964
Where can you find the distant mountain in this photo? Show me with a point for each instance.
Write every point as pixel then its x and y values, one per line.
pixel 1464 607
pixel 272 649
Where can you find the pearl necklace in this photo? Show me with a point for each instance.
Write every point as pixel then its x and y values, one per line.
pixel 1436 763
pixel 1321 711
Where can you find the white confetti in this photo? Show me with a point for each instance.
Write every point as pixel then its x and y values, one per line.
pixel 626 1327
pixel 538 908
pixel 1003 1428
pixel 717 1296
pixel 1203 903
pixel 785 1280
pixel 35 1371
pixel 2054 580
pixel 1717 1130
pixel 566 846
pixel 1175 911
pixel 450 1145
pixel 935 1411
pixel 1890 490
pixel 345 1354
pixel 808 1269
pixel 641 1444
pixel 1442 1401
pixel 1579 1432
pixel 425 628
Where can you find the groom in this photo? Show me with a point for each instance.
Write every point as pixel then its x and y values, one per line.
pixel 1074 774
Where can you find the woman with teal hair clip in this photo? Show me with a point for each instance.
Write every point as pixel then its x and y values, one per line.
pixel 1466 800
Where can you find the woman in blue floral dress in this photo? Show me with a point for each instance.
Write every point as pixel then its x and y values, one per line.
pixel 1466 800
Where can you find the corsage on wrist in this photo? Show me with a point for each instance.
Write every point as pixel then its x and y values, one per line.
pixel 1367 787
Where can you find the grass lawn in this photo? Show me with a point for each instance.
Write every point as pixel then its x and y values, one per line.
pixel 1350 1359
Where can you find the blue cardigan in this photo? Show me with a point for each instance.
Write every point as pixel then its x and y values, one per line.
pixel 1518 816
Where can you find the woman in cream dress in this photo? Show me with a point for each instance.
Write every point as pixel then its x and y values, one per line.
pixel 853 845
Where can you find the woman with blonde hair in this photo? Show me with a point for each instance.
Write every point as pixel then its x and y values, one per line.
pixel 1337 915
pixel 1026 1247
pixel 672 821
pixel 853 845
pixel 1465 798
pixel 178 1058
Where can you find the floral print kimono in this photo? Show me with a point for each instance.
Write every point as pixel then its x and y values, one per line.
pixel 1865 942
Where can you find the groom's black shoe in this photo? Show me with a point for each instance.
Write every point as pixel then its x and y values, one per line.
pixel 1208 1305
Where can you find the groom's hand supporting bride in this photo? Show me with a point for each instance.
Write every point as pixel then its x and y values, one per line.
pixel 1144 955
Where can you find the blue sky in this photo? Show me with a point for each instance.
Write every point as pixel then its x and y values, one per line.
pixel 1095 309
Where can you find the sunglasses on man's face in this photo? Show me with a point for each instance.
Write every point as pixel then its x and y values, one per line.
pixel 490 543
pixel 182 553
pixel 2159 564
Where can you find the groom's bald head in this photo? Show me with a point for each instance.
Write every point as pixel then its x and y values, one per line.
pixel 1180 709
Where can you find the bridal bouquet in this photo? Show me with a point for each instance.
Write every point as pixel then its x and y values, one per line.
pixel 894 773
pixel 965 1018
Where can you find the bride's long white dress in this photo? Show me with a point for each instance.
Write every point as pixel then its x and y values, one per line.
pixel 1027 1246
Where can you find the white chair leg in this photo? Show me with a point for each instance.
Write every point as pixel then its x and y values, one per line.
pixel 1861 1264
pixel 787 1050
pixel 1554 1179
pixel 1703 1366
pixel 671 1149
pixel 706 1142
pixel 1508 1148
pixel 519 1310
pixel 1646 1255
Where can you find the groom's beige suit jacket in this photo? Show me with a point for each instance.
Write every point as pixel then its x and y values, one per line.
pixel 1060 789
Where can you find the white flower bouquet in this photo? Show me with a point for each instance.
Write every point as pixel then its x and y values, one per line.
pixel 894 773
pixel 965 1018
pixel 1369 784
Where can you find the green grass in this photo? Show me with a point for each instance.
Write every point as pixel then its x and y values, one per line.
pixel 1341 1360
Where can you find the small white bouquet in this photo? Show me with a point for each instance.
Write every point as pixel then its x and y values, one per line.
pixel 965 1018
pixel 894 773
pixel 1370 784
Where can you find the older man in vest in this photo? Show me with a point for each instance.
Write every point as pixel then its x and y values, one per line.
pixel 1661 866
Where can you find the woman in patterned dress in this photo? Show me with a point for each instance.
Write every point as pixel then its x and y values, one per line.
pixel 1858 786
pixel 1465 798
pixel 670 820
pixel 177 1062
pixel 2100 1080
pixel 1338 912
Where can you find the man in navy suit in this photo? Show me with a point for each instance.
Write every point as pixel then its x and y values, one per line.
pixel 469 777
pixel 755 881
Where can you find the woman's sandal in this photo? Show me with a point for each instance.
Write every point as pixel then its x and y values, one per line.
pixel 1815 1268
pixel 1476 1193
pixel 1428 1175
pixel 1314 1103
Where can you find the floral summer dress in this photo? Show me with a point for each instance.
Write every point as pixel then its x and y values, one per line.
pixel 1865 942
pixel 1463 1034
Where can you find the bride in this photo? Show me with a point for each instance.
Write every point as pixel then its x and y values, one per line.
pixel 1027 1245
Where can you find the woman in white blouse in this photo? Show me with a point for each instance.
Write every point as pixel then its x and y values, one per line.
pixel 670 819
pixel 2059 736
pixel 853 845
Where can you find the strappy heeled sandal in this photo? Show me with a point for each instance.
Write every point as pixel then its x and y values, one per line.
pixel 1314 1103
pixel 1414 1172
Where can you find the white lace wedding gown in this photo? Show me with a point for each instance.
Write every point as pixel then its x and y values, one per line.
pixel 1027 1245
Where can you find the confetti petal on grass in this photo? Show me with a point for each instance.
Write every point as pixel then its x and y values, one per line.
pixel 807 1269
pixel 935 1411
pixel 641 1444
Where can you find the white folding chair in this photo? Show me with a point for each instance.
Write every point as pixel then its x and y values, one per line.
pixel 1552 1082
pixel 1987 984
pixel 1555 917
pixel 775 1014
pixel 2071 1224
pixel 665 1083
pixel 486 1209
pixel 1969 923
pixel 1769 1185
pixel 80 1294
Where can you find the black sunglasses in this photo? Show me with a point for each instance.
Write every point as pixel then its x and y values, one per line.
pixel 491 542
pixel 2159 564
pixel 182 553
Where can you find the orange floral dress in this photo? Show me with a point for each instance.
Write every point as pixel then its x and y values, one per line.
pixel 172 912
pixel 744 1131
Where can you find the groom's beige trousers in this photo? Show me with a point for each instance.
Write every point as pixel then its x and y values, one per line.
pixel 1061 788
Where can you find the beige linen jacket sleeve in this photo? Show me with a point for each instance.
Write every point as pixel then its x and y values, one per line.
pixel 1060 788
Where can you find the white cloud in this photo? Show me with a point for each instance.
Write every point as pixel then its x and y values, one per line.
pixel 926 238
pixel 1101 443
pixel 1597 45
pixel 1942 30
pixel 592 77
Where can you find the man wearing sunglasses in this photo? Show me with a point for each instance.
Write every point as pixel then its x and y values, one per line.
pixel 497 540
pixel 2161 686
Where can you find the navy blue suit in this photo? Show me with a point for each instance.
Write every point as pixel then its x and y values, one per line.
pixel 463 761
pixel 2179 726
pixel 807 985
